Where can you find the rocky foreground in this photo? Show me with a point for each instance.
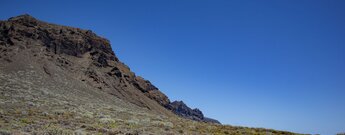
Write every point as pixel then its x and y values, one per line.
pixel 62 80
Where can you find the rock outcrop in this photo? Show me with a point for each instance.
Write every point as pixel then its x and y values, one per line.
pixel 151 91
pixel 86 57
pixel 181 109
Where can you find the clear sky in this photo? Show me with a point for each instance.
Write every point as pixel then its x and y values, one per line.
pixel 275 64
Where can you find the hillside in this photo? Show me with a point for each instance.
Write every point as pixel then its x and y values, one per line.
pixel 63 80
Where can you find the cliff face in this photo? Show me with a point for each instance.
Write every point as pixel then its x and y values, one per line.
pixel 85 57
pixel 65 47
pixel 62 80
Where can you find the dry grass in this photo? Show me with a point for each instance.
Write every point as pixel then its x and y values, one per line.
pixel 26 107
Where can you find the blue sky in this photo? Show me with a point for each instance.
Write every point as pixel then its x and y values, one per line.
pixel 273 64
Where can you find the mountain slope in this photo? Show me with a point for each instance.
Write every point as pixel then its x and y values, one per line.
pixel 71 78
pixel 100 68
pixel 84 55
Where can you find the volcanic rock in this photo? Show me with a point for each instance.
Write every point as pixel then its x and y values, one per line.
pixel 73 58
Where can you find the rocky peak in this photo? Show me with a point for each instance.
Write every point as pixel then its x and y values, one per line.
pixel 58 39
pixel 24 19
pixel 181 109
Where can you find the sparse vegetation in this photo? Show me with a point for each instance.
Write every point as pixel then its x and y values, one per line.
pixel 61 94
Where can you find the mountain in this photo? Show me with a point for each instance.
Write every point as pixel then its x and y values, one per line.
pixel 100 69
pixel 62 80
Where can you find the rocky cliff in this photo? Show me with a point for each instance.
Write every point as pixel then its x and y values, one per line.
pixel 62 80
pixel 181 109
pixel 85 57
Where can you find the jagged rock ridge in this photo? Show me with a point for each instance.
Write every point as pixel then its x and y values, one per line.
pixel 181 109
pixel 88 58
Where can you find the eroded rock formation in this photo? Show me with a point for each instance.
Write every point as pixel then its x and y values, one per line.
pixel 85 57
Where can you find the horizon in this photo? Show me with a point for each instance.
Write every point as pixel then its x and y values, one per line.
pixel 277 65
